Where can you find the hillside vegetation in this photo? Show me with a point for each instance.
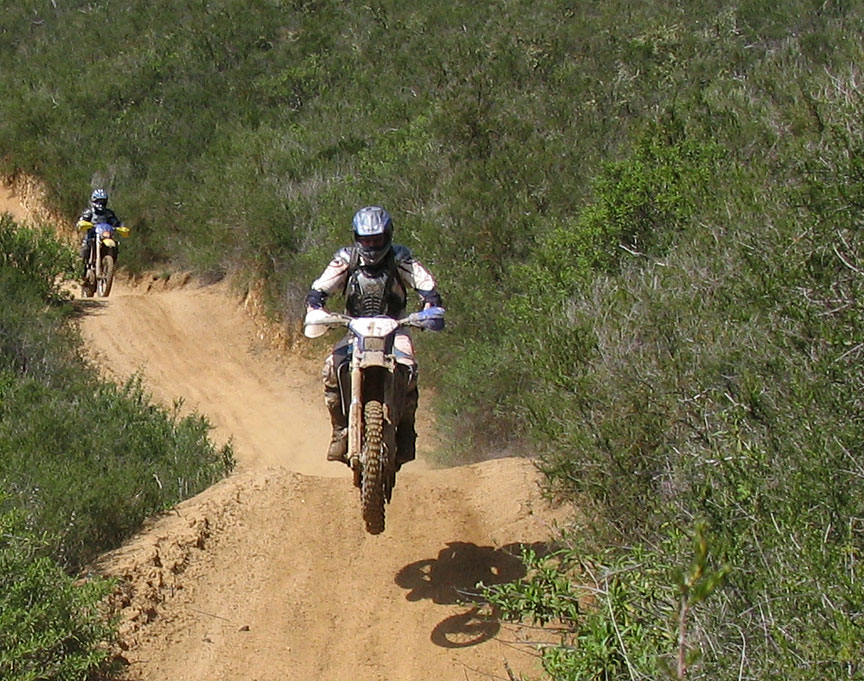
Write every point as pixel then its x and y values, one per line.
pixel 646 223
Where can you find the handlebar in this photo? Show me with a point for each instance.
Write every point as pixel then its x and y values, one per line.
pixel 319 320
pixel 84 225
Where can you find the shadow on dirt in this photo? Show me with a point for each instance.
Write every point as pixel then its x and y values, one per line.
pixel 469 628
pixel 82 307
pixel 452 578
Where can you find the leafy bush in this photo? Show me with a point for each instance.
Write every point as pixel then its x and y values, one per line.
pixel 52 628
pixel 726 387
pixel 35 254
pixel 619 615
pixel 90 462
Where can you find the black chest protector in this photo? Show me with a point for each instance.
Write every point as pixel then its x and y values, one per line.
pixel 371 292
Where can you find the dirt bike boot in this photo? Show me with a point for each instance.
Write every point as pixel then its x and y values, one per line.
pixel 338 450
pixel 406 443
pixel 406 435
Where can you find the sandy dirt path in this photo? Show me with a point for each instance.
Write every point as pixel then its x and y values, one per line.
pixel 269 575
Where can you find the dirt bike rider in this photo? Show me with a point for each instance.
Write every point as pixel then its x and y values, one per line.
pixel 97 212
pixel 374 275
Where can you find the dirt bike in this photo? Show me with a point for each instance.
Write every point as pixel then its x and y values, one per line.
pixel 372 398
pixel 99 272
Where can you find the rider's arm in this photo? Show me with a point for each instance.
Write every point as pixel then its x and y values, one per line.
pixel 332 280
pixel 414 275
pixel 85 220
pixel 118 226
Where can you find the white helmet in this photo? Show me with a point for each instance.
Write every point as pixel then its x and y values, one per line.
pixel 99 200
pixel 373 234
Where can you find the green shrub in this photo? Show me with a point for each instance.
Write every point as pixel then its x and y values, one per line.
pixel 724 384
pixel 619 614
pixel 90 462
pixel 35 254
pixel 52 628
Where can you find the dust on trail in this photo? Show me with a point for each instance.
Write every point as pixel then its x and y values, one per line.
pixel 269 574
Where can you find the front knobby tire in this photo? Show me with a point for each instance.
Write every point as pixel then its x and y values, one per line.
pixel 103 286
pixel 372 491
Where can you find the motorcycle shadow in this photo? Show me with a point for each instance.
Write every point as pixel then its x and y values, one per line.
pixel 452 579
pixel 466 629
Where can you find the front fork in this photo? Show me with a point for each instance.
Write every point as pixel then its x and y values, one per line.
pixel 355 416
pixel 355 409
pixel 97 252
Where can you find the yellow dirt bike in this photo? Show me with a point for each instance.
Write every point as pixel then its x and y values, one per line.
pixel 370 388
pixel 102 259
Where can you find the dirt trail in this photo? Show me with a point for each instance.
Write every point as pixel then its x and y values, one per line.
pixel 269 575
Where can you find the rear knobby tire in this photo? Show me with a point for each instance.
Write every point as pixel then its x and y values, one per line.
pixel 103 285
pixel 372 489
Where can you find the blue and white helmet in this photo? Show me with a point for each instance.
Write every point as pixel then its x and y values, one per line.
pixel 373 234
pixel 99 200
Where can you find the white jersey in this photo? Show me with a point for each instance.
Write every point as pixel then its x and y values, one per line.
pixel 410 274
